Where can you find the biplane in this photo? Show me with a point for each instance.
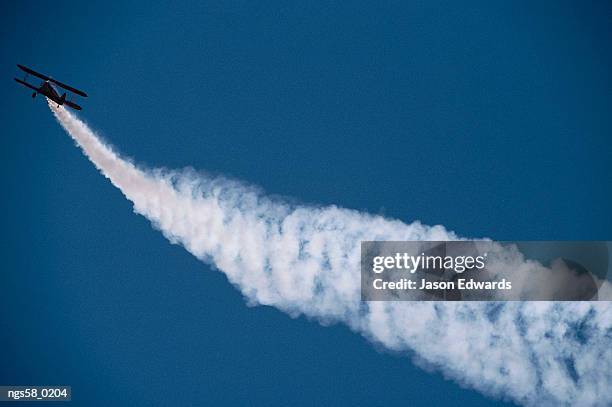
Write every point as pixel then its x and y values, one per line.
pixel 48 90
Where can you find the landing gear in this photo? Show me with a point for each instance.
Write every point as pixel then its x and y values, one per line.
pixel 33 95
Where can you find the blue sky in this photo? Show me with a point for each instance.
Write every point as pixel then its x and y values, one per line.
pixel 493 120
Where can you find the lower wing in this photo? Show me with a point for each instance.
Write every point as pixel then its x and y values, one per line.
pixel 72 105
pixel 27 85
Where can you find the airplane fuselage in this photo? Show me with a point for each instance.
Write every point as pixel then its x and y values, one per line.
pixel 46 89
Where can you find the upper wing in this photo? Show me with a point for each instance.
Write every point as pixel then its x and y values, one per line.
pixel 46 78
pixel 31 72
pixel 26 84
pixel 70 88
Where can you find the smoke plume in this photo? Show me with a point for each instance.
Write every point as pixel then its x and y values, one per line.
pixel 305 261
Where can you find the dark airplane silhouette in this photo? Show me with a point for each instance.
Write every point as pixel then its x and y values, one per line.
pixel 47 89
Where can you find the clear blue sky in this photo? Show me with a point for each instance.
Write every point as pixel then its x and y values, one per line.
pixel 491 119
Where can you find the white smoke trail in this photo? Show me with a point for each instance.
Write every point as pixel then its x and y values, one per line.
pixel 305 260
